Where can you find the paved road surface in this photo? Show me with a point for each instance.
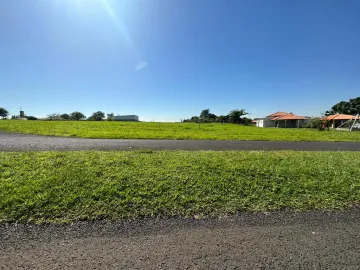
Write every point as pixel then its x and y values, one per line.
pixel 26 142
pixel 314 240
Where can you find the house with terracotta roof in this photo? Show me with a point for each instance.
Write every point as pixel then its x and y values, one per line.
pixel 339 119
pixel 282 120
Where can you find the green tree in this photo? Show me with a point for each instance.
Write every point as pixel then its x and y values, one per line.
pixel 97 116
pixel 65 116
pixel 77 116
pixel 346 107
pixel 195 119
pixel 53 117
pixel 245 121
pixel 207 117
pixel 235 116
pixel 223 119
pixel 3 113
pixel 110 116
pixel 204 114
pixel 211 118
pixel 318 123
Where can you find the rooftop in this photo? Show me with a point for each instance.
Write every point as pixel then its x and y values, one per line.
pixel 290 117
pixel 286 116
pixel 277 114
pixel 339 116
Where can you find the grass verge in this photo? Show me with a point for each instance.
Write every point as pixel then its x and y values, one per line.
pixel 68 186
pixel 177 131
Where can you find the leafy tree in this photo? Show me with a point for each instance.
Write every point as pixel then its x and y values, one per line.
pixel 3 113
pixel 318 123
pixel 223 119
pixel 245 121
pixel 207 117
pixel 204 114
pixel 195 119
pixel 15 117
pixel 110 116
pixel 97 116
pixel 53 117
pixel 235 116
pixel 77 116
pixel 211 117
pixel 346 107
pixel 65 116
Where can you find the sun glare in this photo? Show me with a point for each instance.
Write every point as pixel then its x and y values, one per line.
pixel 112 12
pixel 123 30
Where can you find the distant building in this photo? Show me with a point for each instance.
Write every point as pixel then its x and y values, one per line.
pixel 282 120
pixel 337 120
pixel 133 118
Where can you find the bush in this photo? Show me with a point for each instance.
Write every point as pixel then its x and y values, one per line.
pixel 53 117
pixel 245 121
pixel 317 123
pixel 97 116
pixel 31 118
pixel 65 116
pixel 77 116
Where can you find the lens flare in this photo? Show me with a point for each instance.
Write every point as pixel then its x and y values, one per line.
pixel 124 32
pixel 81 6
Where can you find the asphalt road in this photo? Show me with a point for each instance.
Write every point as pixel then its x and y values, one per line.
pixel 27 142
pixel 285 240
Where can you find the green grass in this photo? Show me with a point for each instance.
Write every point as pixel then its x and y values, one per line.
pixel 179 131
pixel 69 186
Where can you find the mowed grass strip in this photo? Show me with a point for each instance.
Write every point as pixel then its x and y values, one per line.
pixel 177 131
pixel 68 186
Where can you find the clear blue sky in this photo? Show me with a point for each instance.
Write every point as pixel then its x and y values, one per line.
pixel 169 59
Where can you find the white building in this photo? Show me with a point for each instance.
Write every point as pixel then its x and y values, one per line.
pixel 282 120
pixel 133 118
pixel 268 120
pixel 265 122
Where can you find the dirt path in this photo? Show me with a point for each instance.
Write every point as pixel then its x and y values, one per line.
pixel 26 142
pixel 314 240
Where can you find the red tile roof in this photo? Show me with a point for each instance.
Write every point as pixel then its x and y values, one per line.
pixel 339 117
pixel 290 117
pixel 277 114
pixel 286 116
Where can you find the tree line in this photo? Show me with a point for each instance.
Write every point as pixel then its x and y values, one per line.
pixel 235 117
pixel 351 107
pixel 74 116
pixel 77 116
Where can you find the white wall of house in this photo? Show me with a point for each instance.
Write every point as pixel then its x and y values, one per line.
pixel 265 122
pixel 260 123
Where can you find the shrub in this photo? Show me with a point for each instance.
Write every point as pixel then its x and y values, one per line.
pixel 318 123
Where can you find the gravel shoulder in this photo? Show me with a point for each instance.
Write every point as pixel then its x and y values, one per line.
pixel 27 142
pixel 280 240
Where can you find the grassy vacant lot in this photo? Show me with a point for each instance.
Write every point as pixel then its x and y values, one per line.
pixel 69 186
pixel 180 131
